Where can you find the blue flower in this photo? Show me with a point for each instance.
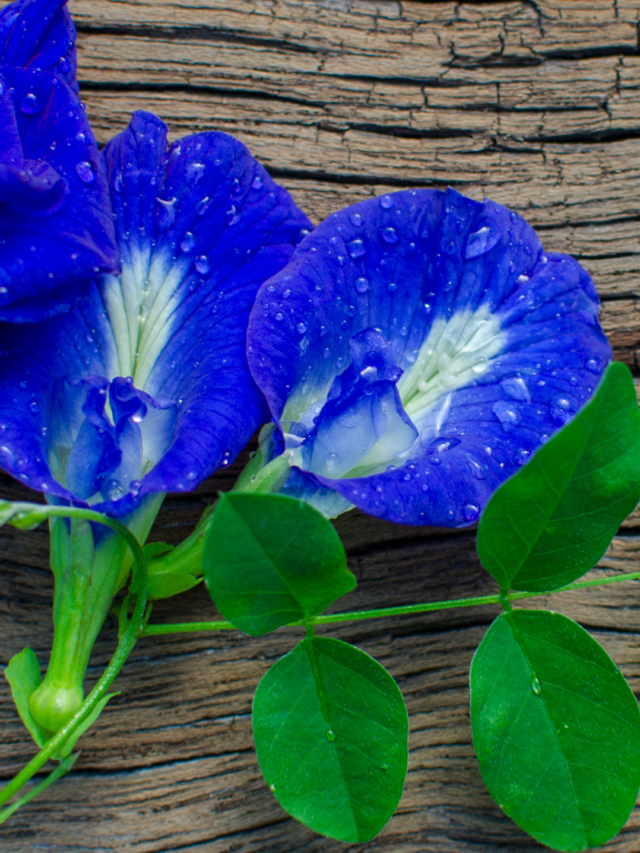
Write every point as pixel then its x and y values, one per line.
pixel 418 349
pixel 56 229
pixel 144 387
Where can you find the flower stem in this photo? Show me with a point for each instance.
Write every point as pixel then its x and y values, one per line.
pixel 61 770
pixel 23 512
pixel 401 610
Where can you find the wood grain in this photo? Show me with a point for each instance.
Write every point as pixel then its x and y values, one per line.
pixel 536 105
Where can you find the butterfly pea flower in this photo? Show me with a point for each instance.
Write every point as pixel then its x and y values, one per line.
pixel 144 386
pixel 416 351
pixel 56 228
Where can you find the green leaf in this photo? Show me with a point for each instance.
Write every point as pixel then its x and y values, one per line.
pixel 23 674
pixel 270 560
pixel 71 741
pixel 167 584
pixel 553 520
pixel 556 729
pixel 155 549
pixel 331 729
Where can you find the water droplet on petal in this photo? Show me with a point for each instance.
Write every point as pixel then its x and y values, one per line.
pixel 392 286
pixel 470 512
pixel 386 201
pixel 356 248
pixel 362 284
pixel 34 407
pixel 522 456
pixel 202 205
pixel 445 442
pixel 593 365
pixel 279 316
pixel 85 172
pixel 301 328
pixel 508 414
pixel 356 219
pixel 202 264
pixel 30 104
pixel 188 243
pixel 481 241
pixel 561 408
pixel 389 235
pixel 257 183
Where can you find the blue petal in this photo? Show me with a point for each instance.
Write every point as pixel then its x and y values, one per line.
pixel 167 338
pixel 55 220
pixel 498 342
pixel 40 35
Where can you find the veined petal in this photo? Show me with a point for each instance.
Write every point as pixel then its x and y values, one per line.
pixel 144 387
pixel 498 344
pixel 40 35
pixel 56 228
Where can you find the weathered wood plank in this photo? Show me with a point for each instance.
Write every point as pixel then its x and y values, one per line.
pixel 535 105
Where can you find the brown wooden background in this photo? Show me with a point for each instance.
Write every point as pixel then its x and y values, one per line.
pixel 536 104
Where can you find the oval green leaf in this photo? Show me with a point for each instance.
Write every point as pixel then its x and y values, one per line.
pixel 331 730
pixel 556 729
pixel 23 674
pixel 270 560
pixel 553 520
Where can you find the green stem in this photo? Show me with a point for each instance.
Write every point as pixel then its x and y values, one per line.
pixel 401 610
pixel 61 770
pixel 125 645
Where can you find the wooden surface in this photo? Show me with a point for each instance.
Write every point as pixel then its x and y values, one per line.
pixel 536 104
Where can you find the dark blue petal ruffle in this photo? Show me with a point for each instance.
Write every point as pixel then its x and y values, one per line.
pixel 56 228
pixel 39 35
pixel 498 344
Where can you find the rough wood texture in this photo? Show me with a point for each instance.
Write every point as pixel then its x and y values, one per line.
pixel 535 104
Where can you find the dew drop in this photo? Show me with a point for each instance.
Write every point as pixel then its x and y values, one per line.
pixel 508 415
pixel 301 328
pixel 561 408
pixel 522 456
pixel 279 316
pixel 386 201
pixel 593 365
pixel 392 286
pixel 188 243
pixel 356 248
pixel 202 205
pixel 536 686
pixel 30 104
pixel 470 512
pixel 85 172
pixel 34 407
pixel 481 241
pixel 362 284
pixel 257 183
pixel 356 219
pixel 439 445
pixel 389 235
pixel 330 735
pixel 202 264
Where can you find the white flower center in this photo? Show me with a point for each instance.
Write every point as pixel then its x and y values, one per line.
pixel 455 353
